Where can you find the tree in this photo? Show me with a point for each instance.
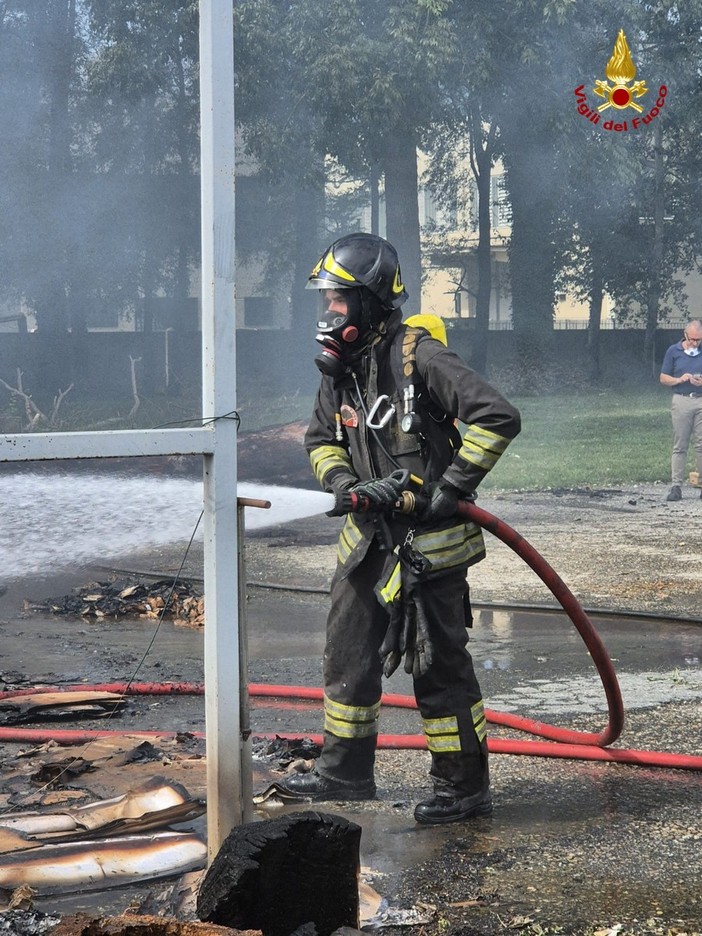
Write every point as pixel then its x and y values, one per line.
pixel 142 108
pixel 98 168
pixel 670 209
pixel 40 50
pixel 456 145
pixel 359 82
pixel 633 214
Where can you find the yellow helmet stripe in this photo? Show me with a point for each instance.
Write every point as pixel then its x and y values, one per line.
pixel 331 266
pixel 397 286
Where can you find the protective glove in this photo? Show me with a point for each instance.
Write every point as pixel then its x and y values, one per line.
pixel 381 493
pixel 390 653
pixel 441 501
pixel 339 480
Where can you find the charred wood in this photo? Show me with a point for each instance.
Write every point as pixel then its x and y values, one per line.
pixel 281 874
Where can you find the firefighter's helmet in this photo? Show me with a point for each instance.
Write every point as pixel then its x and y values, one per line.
pixel 361 260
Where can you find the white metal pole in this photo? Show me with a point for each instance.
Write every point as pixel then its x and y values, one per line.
pixel 225 747
pixel 228 752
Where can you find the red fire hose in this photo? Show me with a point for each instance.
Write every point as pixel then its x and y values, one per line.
pixel 582 622
pixel 569 751
pixel 571 744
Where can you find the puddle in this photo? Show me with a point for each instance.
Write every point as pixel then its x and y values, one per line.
pixel 537 660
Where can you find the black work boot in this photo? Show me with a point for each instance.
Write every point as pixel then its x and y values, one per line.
pixel 448 807
pixel 313 786
pixel 675 493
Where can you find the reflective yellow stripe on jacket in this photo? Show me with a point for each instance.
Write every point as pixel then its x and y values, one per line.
pixel 326 457
pixel 481 447
pixel 459 545
pixel 350 721
pixel 349 538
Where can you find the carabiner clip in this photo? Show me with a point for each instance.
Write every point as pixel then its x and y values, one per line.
pixel 385 418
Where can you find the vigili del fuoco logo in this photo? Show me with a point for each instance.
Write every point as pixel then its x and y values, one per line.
pixel 622 94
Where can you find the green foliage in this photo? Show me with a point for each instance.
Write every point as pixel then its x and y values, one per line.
pixel 98 155
pixel 631 221
pixel 355 81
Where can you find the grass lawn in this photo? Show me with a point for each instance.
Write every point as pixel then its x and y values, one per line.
pixel 592 439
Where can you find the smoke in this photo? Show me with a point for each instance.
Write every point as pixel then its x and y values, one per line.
pixel 65 521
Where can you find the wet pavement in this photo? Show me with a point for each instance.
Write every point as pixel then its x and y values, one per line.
pixel 573 846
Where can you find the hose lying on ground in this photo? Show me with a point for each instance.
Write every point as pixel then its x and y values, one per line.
pixel 559 749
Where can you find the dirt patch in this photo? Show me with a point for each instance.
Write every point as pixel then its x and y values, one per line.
pixel 625 549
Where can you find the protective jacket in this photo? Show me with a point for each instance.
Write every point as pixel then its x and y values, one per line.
pixel 343 449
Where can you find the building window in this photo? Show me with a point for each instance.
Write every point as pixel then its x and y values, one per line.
pixel 432 213
pixel 427 207
pixel 501 210
pixel 472 205
pixel 259 312
pixel 99 316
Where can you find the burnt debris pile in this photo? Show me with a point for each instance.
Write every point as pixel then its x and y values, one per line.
pixel 179 601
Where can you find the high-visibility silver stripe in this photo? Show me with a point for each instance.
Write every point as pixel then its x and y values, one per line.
pixel 454 546
pixel 444 744
pixel 350 721
pixel 479 720
pixel 440 725
pixel 391 589
pixel 344 729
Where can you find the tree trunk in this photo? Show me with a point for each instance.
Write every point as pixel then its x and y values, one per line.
pixel 593 332
pixel 531 252
pixel 61 26
pixel 309 210
pixel 402 211
pixel 482 166
pixel 57 33
pixel 375 202
pixel 654 284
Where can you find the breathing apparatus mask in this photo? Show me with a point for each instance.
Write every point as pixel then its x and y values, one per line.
pixel 695 342
pixel 344 336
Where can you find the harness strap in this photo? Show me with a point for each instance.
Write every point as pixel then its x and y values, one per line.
pixel 412 383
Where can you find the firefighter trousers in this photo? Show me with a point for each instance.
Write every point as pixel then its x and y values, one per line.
pixel 448 695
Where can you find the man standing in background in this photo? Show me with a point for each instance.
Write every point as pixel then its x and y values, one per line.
pixel 682 370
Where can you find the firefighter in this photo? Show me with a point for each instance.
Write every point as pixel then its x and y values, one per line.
pixel 388 403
